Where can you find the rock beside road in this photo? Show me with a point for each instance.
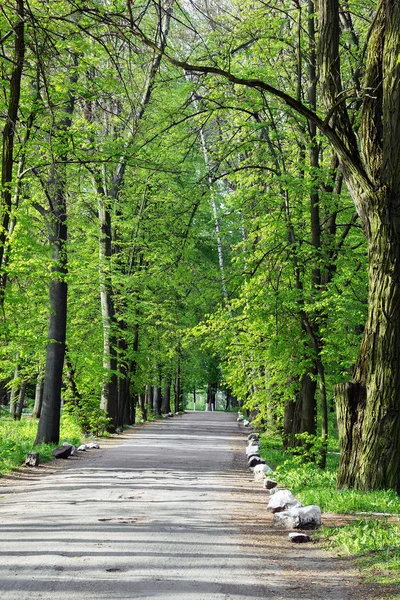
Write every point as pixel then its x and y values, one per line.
pixel 305 517
pixel 270 484
pixel 299 538
pixel 282 501
pixel 255 460
pixel 63 451
pixel 32 459
pixel 260 471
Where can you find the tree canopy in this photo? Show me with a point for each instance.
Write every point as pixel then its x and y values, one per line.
pixel 205 195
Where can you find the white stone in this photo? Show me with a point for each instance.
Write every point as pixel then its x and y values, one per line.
pixel 92 446
pixel 82 448
pixel 253 442
pixel 282 500
pixel 306 517
pixel 246 423
pixel 252 450
pixel 260 471
pixel 240 418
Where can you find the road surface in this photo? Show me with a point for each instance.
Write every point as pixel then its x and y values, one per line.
pixel 168 511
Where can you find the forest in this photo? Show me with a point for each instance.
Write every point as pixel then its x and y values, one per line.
pixel 204 195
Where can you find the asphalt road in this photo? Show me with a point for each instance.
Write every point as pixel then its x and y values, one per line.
pixel 170 511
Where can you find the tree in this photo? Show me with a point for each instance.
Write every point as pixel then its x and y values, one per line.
pixel 368 406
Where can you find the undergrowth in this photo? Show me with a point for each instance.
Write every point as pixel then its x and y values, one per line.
pixel 17 437
pixel 374 541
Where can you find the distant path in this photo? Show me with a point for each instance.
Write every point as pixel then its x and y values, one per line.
pixel 171 512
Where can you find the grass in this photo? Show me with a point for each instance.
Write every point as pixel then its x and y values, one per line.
pixel 17 437
pixel 374 542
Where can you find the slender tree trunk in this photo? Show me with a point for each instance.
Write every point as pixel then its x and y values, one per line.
pixel 143 406
pixel 123 381
pixel 21 400
pixel 71 379
pixel 166 399
pixel 38 395
pixel 149 397
pixel 14 389
pixel 109 391
pixel 178 388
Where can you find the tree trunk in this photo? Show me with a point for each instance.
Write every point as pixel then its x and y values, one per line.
pixel 10 128
pixel 368 407
pixel 56 216
pixel 143 407
pixel 70 375
pixel 109 390
pixel 49 424
pixel 157 399
pixel 123 380
pixel 14 389
pixel 308 405
pixel 166 399
pixel 149 397
pixel 178 389
pixel 21 400
pixel 38 396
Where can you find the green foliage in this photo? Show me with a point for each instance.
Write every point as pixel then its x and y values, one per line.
pixel 17 437
pixel 88 416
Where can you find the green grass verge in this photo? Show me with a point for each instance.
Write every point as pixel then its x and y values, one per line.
pixel 373 542
pixel 17 437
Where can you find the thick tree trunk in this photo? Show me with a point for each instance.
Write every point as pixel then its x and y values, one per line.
pixel 368 407
pixel 49 424
pixel 56 216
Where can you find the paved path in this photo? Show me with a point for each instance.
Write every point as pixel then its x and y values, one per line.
pixel 170 512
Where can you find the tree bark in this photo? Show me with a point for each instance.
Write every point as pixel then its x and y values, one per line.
pixel 14 389
pixel 49 424
pixel 109 390
pixel 10 127
pixel 157 399
pixel 166 399
pixel 21 400
pixel 56 216
pixel 38 396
